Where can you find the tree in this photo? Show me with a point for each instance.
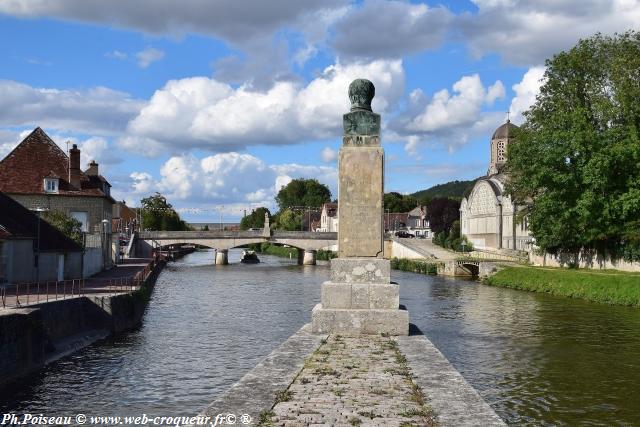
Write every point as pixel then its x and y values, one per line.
pixel 303 192
pixel 396 202
pixel 441 213
pixel 577 156
pixel 70 227
pixel 289 220
pixel 159 215
pixel 255 219
pixel 206 227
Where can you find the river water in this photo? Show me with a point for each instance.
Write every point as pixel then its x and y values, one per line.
pixel 537 359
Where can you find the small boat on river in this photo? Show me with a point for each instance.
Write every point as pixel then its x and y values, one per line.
pixel 249 257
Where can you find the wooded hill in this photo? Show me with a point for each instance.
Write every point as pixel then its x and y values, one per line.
pixel 452 189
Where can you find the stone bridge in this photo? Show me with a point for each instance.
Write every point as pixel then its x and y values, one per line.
pixel 307 242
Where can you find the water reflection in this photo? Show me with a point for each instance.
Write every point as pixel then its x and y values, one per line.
pixel 537 359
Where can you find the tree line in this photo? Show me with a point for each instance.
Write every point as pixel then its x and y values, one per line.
pixel 575 162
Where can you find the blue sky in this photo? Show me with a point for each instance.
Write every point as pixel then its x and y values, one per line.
pixel 218 104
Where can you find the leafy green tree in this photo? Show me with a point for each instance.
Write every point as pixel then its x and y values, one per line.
pixel 206 227
pixel 70 227
pixel 577 156
pixel 255 219
pixel 289 220
pixel 303 192
pixel 442 212
pixel 398 203
pixel 159 215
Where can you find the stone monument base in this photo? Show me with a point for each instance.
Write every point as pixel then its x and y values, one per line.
pixel 359 321
pixel 360 300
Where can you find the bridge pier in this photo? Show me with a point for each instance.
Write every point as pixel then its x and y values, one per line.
pixel 308 257
pixel 222 256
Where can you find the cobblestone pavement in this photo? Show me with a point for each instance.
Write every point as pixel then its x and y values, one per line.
pixel 352 381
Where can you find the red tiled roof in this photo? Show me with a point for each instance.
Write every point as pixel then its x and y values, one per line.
pixel 332 209
pixel 37 156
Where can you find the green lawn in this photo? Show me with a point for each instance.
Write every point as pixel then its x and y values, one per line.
pixel 603 286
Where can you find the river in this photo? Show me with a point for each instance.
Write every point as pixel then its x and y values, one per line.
pixel 537 359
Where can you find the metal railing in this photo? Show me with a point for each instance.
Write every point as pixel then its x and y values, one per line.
pixel 24 294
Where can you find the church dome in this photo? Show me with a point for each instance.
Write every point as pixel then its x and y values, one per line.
pixel 504 131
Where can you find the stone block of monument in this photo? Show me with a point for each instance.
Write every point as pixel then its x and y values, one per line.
pixel 359 298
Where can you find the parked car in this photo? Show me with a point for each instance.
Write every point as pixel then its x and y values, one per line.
pixel 404 235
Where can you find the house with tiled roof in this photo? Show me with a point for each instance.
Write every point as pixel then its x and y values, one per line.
pixel 38 174
pixel 329 218
pixel 31 250
pixel 417 222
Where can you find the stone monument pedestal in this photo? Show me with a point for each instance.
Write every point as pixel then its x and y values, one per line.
pixel 360 300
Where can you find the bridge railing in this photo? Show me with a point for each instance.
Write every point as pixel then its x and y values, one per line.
pixel 170 235
pixel 248 234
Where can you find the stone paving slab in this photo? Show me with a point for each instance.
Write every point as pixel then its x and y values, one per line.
pixel 257 390
pixel 353 381
pixel 453 400
pixel 319 380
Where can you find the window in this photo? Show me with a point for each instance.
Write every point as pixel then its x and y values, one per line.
pixel 51 185
pixel 83 218
pixel 502 151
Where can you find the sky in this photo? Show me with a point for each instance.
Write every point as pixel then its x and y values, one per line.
pixel 218 104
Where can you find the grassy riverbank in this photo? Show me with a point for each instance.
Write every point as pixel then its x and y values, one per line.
pixel 602 286
pixel 420 267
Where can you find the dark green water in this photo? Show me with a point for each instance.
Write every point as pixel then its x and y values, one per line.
pixel 537 359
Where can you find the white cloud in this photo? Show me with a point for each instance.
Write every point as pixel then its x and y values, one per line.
pixel 527 32
pixel 96 110
pixel 328 154
pixel 142 183
pixel 303 54
pixel 446 111
pixel 98 149
pixel 390 29
pixel 148 56
pixel 526 92
pixel 116 54
pixel 495 91
pixel 232 20
pixel 205 113
pixel 231 179
pixel 448 118
pixel 8 141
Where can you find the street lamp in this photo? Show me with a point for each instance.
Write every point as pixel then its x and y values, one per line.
pixel 464 245
pixel 105 244
pixel 37 257
pixel 221 208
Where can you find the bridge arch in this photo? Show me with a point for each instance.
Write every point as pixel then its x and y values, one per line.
pixel 472 267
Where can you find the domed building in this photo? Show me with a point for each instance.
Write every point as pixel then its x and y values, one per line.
pixel 486 213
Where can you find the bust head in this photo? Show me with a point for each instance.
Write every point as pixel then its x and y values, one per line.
pixel 361 92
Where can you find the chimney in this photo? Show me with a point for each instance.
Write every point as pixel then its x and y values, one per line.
pixel 74 167
pixel 93 169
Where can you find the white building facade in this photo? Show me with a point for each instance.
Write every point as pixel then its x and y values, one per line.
pixel 488 217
